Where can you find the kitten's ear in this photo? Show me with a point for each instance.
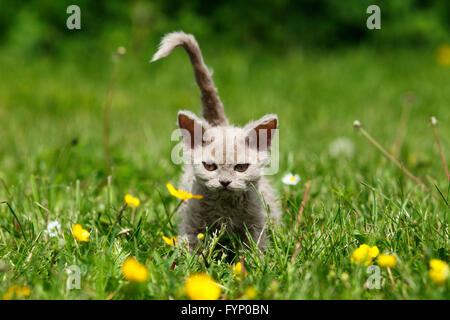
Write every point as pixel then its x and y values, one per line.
pixel 192 128
pixel 261 132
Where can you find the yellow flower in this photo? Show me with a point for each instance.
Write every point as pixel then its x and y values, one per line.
pixel 80 234
pixel 132 201
pixel 364 254
pixel 374 251
pixel 443 55
pixel 387 261
pixel 202 287
pixel 200 236
pixel 12 290
pixel 23 291
pixel 19 292
pixel 438 271
pixel 132 270
pixel 170 241
pixel 237 271
pixel 251 292
pixel 180 194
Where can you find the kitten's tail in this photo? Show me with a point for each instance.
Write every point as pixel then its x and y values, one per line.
pixel 212 106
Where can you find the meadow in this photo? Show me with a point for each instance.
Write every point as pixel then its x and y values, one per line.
pixel 53 168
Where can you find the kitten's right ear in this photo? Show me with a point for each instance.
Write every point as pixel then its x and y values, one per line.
pixel 261 132
pixel 192 128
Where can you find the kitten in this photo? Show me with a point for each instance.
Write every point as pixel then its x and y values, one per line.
pixel 223 163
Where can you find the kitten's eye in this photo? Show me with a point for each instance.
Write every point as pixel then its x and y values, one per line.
pixel 210 166
pixel 241 167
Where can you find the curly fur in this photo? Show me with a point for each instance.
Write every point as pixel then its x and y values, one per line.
pixel 236 206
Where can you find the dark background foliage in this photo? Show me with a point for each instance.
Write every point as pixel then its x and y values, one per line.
pixel 40 25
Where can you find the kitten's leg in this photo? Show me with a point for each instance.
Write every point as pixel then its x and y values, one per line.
pixel 192 241
pixel 189 227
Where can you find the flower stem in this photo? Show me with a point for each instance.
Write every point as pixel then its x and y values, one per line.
pixel 241 258
pixel 433 122
pixel 393 159
pixel 302 206
pixel 203 255
pixel 401 130
pixel 107 110
pixel 299 217
pixel 391 276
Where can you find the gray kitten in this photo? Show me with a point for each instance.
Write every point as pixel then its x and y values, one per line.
pixel 223 163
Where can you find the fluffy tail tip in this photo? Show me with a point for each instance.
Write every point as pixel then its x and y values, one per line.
pixel 169 42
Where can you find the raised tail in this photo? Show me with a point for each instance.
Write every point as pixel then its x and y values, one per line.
pixel 212 106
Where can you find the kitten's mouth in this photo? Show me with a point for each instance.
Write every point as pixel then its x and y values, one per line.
pixel 223 189
pixel 228 190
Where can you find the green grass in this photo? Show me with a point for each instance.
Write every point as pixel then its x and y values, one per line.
pixel 45 104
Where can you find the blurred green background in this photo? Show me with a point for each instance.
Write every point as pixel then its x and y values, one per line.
pixel 38 26
pixel 313 62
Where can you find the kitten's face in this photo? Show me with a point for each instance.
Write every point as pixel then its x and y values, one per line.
pixel 226 162
pixel 227 159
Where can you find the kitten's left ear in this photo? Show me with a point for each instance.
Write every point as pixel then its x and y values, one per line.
pixel 260 132
pixel 193 128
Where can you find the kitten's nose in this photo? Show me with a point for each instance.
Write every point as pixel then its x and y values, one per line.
pixel 225 182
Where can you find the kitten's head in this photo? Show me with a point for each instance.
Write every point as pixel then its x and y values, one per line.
pixel 227 158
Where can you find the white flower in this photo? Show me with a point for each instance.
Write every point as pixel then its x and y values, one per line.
pixel 341 147
pixel 53 228
pixel 291 179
